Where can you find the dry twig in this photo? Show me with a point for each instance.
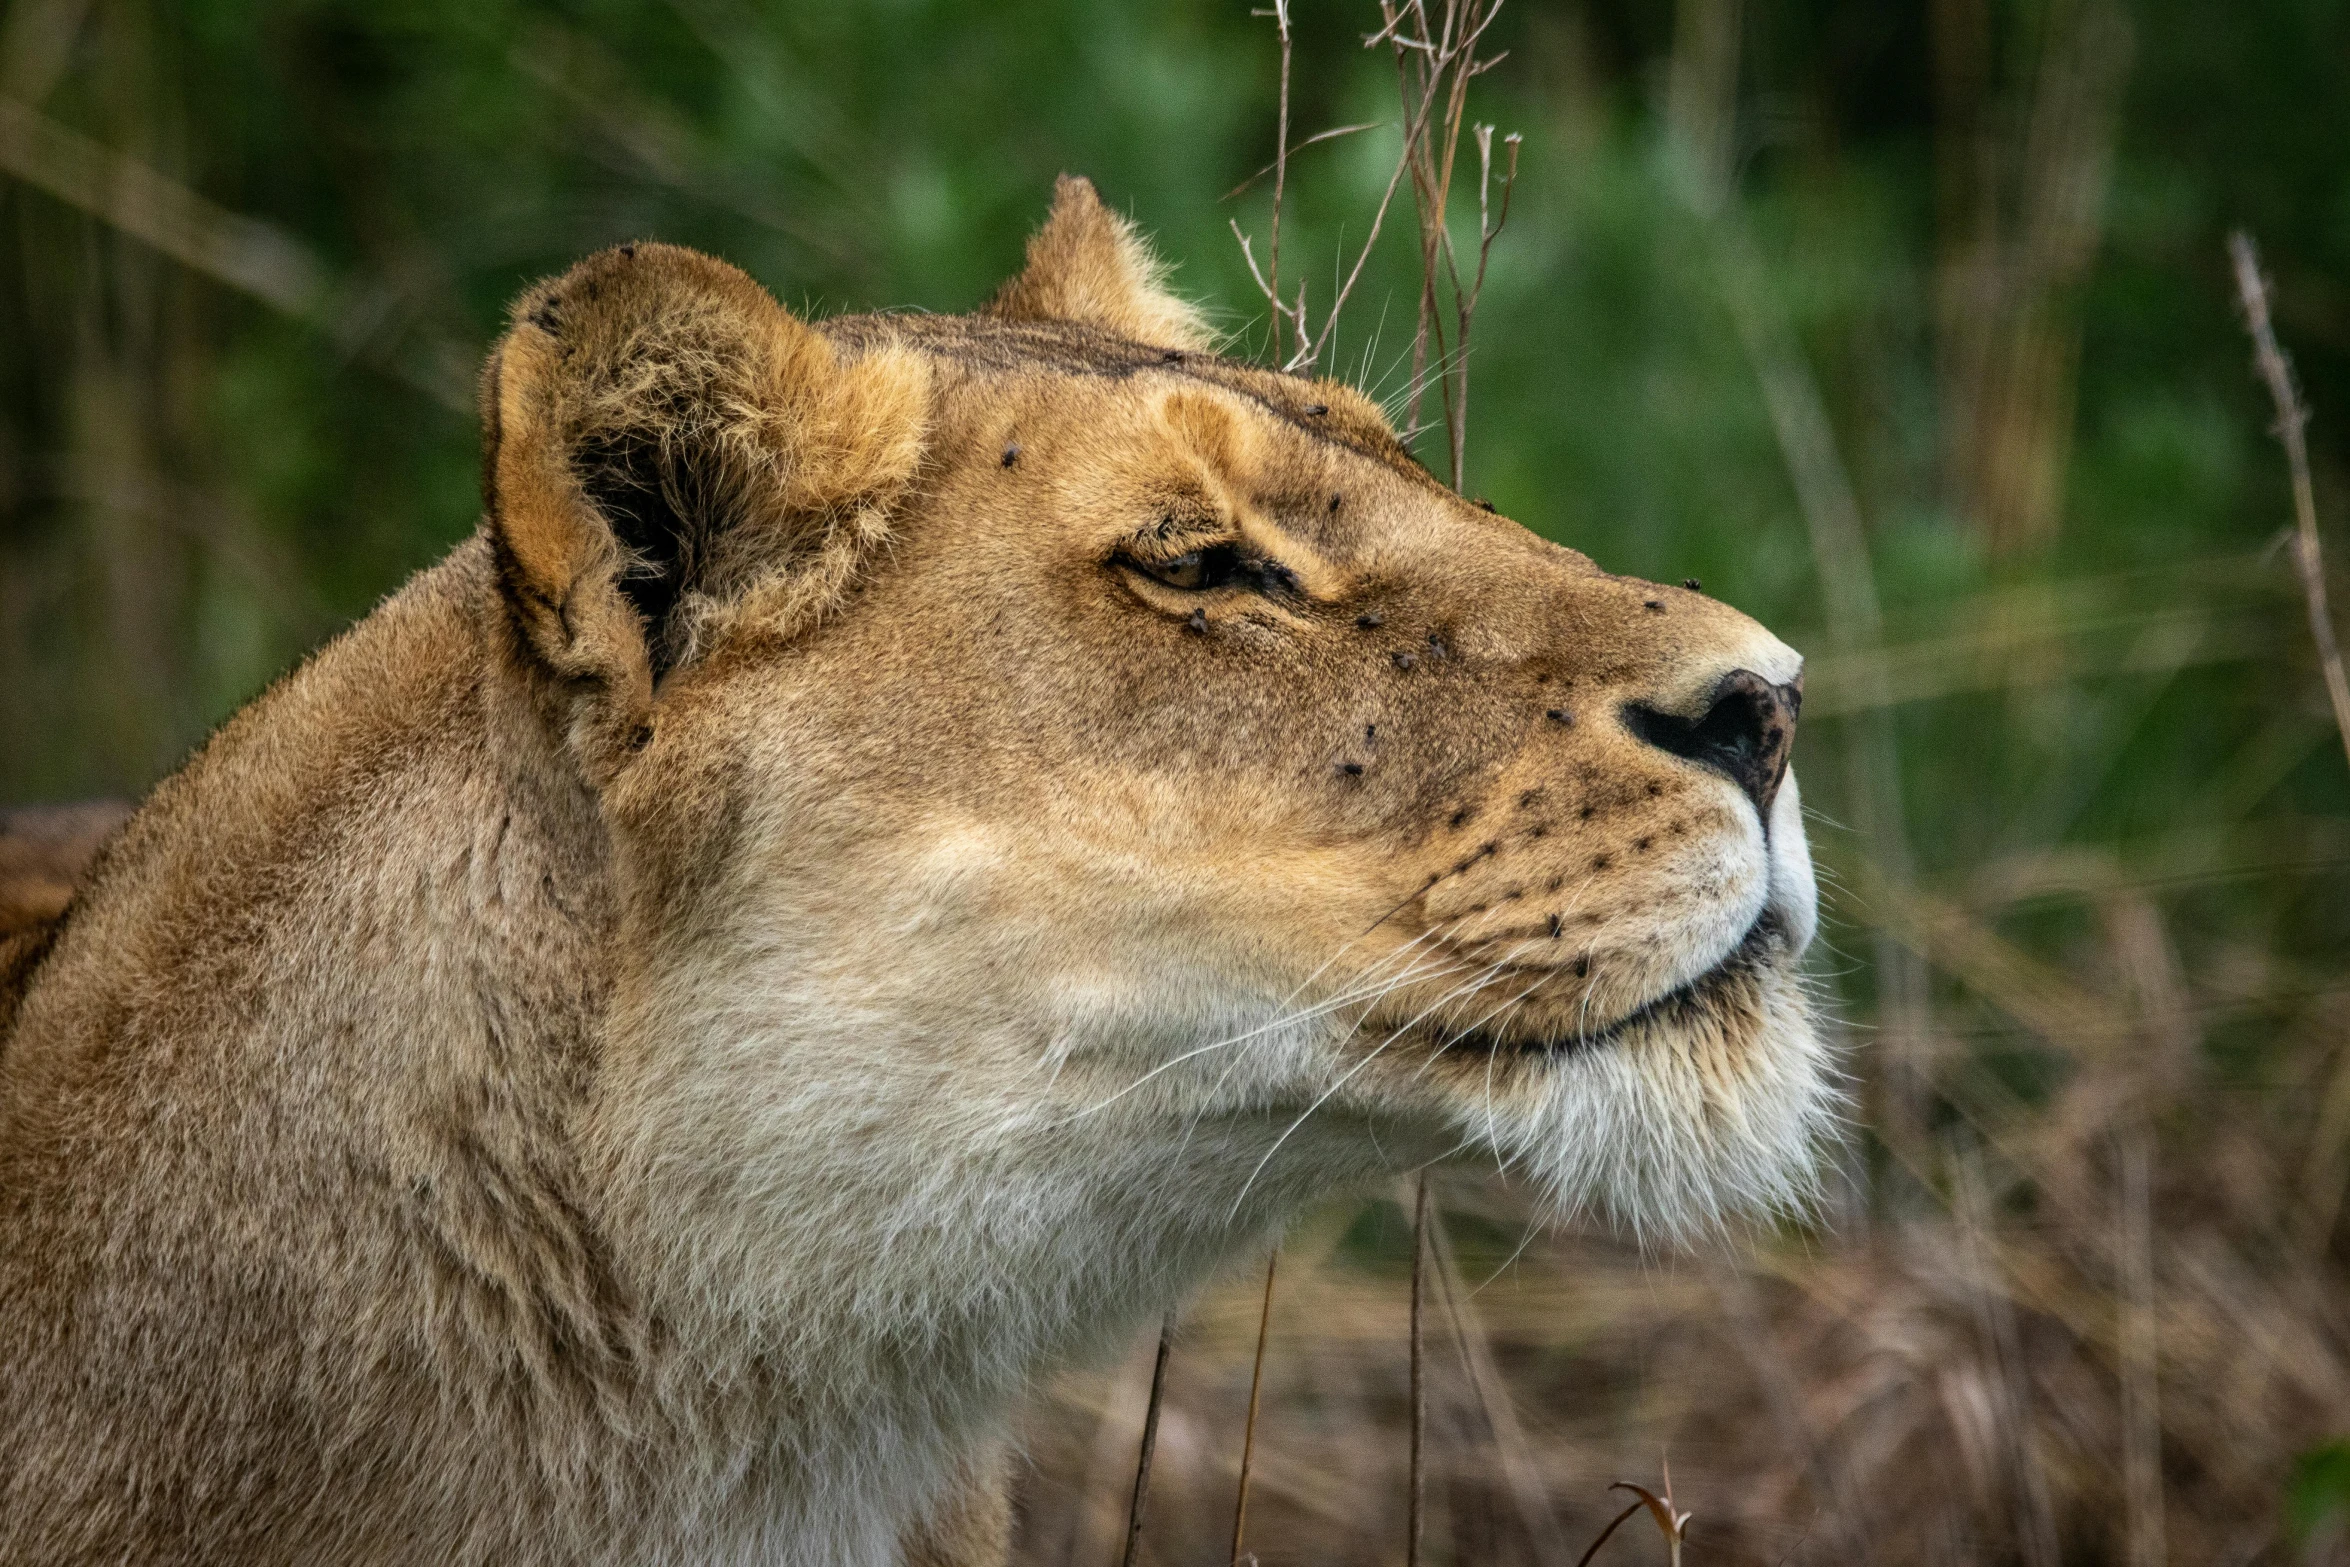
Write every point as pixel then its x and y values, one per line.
pixel 1150 1442
pixel 2292 421
pixel 1415 1519
pixel 1256 1387
pixel 1436 59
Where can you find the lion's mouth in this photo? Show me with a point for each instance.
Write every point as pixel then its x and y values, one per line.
pixel 1700 998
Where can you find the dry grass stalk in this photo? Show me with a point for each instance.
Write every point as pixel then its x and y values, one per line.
pixel 1521 1471
pixel 1613 1524
pixel 1435 50
pixel 1280 187
pixel 1150 1442
pixel 2292 424
pixel 1415 1519
pixel 1670 1522
pixel 2020 198
pixel 1307 345
pixel 2140 1383
pixel 2034 1512
pixel 1256 1389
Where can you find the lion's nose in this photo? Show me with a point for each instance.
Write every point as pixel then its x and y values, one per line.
pixel 1746 735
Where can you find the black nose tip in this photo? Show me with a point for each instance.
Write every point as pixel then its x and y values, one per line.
pixel 1745 736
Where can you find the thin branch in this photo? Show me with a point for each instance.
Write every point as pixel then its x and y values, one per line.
pixel 1465 303
pixel 1346 289
pixel 1256 1386
pixel 1295 148
pixel 1308 346
pixel 1415 1520
pixel 1295 314
pixel 1150 1442
pixel 1280 186
pixel 2292 419
pixel 1434 67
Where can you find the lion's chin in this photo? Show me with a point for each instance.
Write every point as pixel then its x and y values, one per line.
pixel 1713 1107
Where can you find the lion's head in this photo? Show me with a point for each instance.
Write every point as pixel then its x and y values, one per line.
pixel 1032 730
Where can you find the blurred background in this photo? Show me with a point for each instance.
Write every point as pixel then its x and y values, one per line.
pixel 1907 327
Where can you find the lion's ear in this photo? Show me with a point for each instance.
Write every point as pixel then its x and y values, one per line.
pixel 664 442
pixel 1088 266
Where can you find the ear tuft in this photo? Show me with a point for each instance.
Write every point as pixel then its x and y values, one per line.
pixel 1089 267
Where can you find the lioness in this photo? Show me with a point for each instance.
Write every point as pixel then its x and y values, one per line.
pixel 899 845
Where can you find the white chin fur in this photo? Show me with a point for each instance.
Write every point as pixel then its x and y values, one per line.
pixel 1675 1129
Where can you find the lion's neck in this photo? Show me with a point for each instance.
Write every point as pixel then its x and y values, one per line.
pixel 699 1243
pixel 888 1201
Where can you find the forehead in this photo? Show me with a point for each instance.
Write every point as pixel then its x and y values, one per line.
pixel 1315 425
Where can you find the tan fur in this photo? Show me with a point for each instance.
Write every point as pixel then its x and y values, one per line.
pixel 1088 267
pixel 641 1050
pixel 44 853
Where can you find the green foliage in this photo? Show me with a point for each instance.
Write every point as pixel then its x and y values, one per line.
pixel 2318 1497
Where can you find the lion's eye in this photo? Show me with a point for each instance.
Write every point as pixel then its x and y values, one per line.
pixel 1195 570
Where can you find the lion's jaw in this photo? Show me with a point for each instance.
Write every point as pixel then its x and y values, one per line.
pixel 1006 1092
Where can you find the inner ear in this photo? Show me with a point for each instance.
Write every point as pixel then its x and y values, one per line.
pixel 659 507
